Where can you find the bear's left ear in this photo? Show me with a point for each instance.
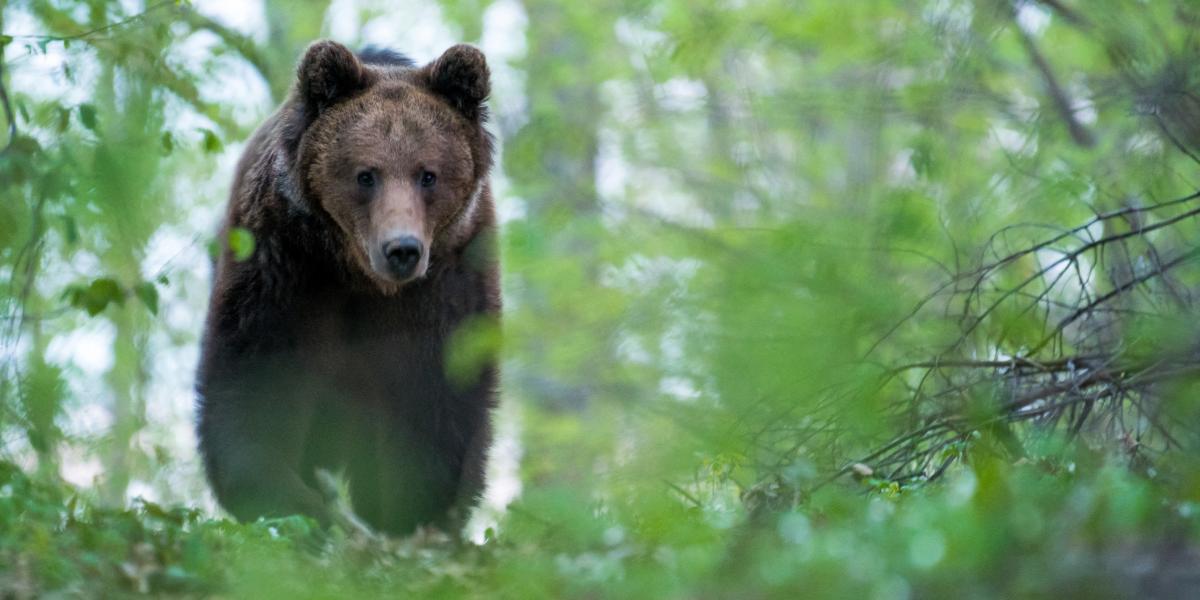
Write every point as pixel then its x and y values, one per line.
pixel 461 76
pixel 328 73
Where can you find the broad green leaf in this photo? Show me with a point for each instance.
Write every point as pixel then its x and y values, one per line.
pixel 96 296
pixel 70 230
pixel 471 347
pixel 212 143
pixel 87 116
pixel 148 294
pixel 64 119
pixel 241 243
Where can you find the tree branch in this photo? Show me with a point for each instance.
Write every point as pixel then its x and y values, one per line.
pixel 241 43
pixel 91 32
pixel 1062 102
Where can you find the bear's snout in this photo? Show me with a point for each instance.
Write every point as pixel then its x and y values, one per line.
pixel 403 254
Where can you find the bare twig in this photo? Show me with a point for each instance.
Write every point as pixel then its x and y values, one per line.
pixel 98 30
pixel 1084 391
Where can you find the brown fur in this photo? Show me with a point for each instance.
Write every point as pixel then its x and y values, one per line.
pixel 315 355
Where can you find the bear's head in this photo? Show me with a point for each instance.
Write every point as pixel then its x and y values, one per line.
pixel 396 156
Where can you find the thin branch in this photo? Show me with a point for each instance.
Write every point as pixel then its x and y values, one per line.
pixel 682 492
pixel 1174 140
pixel 1012 363
pixel 1087 308
pixel 1062 102
pixel 1068 14
pixel 981 272
pixel 91 32
pixel 243 44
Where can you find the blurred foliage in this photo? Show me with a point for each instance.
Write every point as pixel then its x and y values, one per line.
pixel 992 531
pixel 850 299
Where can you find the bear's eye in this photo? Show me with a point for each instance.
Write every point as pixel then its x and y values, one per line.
pixel 427 179
pixel 366 179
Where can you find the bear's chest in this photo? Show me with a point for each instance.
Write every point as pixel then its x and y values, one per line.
pixel 374 348
pixel 366 343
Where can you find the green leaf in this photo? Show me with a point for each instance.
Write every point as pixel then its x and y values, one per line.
pixel 5 40
pixel 64 119
pixel 70 230
pixel 109 288
pixel 148 294
pixel 157 512
pixel 212 143
pixel 241 243
pixel 168 143
pixel 87 116
pixel 471 347
pixel 96 296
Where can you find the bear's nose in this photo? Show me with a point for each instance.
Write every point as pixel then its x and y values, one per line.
pixel 402 255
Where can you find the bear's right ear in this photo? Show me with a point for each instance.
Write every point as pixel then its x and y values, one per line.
pixel 329 72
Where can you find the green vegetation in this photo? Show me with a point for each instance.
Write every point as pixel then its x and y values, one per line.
pixel 803 299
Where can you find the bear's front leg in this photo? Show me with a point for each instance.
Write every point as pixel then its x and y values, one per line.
pixel 250 484
pixel 471 483
pixel 253 445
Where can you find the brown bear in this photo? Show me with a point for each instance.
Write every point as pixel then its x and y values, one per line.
pixel 368 197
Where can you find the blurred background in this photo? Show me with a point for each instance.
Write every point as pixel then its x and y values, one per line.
pixel 871 299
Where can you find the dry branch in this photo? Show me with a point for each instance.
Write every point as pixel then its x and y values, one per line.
pixel 1083 378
